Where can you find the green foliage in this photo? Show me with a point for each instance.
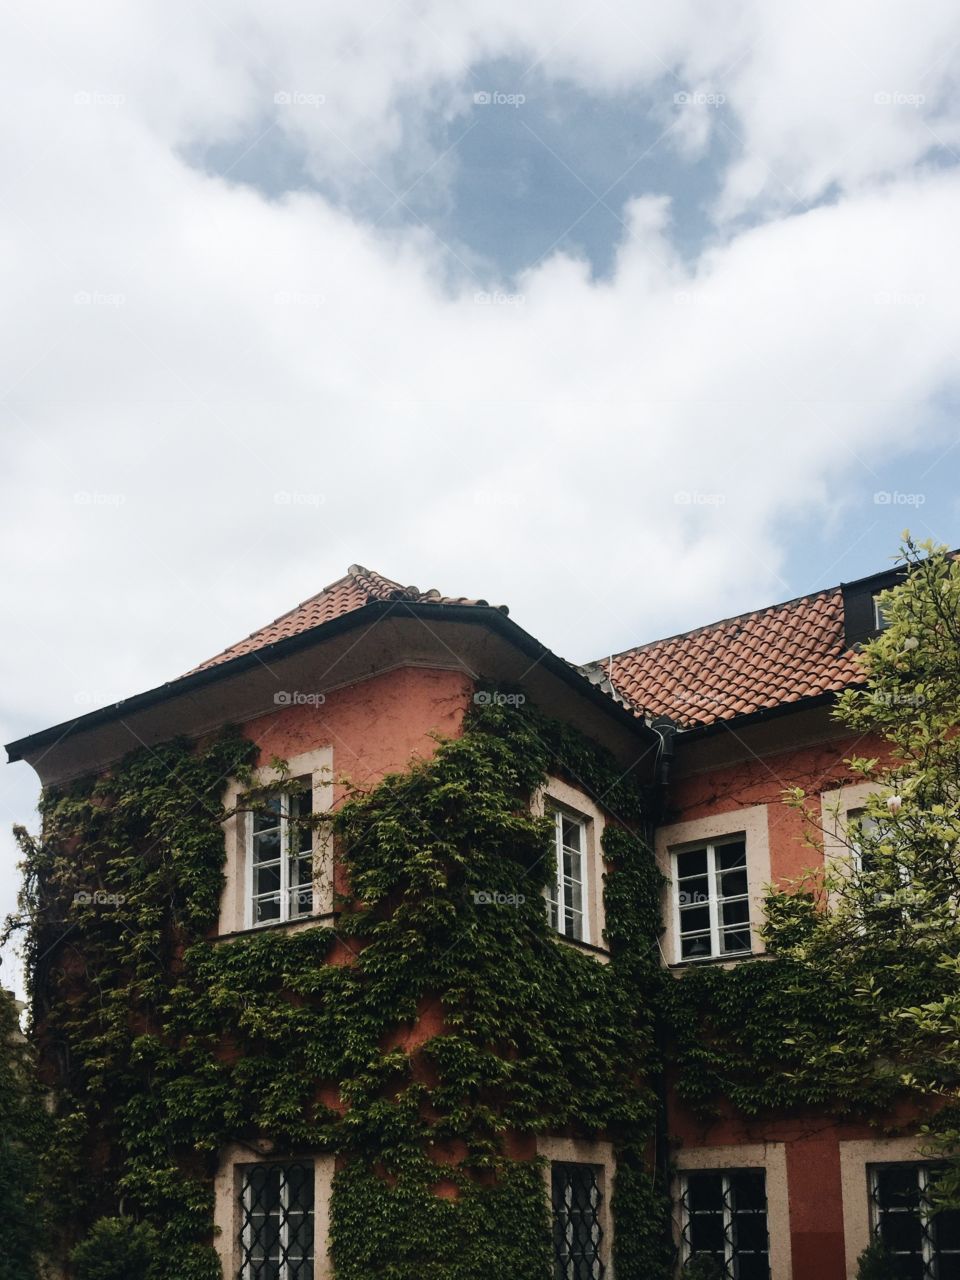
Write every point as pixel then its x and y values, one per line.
pixel 703 1266
pixel 116 1249
pixel 446 1023
pixel 24 1133
pixel 875 1263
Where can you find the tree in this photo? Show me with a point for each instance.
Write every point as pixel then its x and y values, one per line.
pixel 882 923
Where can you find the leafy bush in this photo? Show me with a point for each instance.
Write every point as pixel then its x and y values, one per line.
pixel 876 1264
pixel 703 1266
pixel 116 1249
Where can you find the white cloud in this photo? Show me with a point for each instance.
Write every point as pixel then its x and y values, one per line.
pixel 613 459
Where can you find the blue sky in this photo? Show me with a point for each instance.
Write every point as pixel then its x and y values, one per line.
pixel 663 331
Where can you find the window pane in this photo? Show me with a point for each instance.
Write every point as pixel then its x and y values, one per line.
pixel 571 833
pixel 733 883
pixel 695 947
pixel 266 879
pixel 704 1192
pixel 694 919
pixel 692 863
pixel 736 912
pixel 748 1190
pixel 736 940
pixel 267 814
pixel 266 846
pixel 694 890
pixel 266 909
pixel 898 1187
pixel 731 855
pixel 301 833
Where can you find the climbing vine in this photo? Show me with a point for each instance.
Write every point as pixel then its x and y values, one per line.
pixel 436 1025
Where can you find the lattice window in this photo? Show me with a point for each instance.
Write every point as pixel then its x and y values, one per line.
pixel 276 1235
pixel 281 857
pixel 924 1241
pixel 577 1230
pixel 724 1215
pixel 712 900
pixel 568 891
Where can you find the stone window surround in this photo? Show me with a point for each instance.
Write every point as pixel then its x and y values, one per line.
pixel 235 906
pixel 227 1208
pixel 752 823
pixel 769 1156
pixel 856 1156
pixel 836 806
pixel 579 803
pixel 595 1152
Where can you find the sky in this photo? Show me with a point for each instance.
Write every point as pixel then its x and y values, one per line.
pixel 629 315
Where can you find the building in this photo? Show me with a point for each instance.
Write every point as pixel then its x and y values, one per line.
pixel 709 728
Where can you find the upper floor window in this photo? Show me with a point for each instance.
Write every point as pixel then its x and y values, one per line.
pixel 567 894
pixel 711 899
pixel 724 1217
pixel 277 1222
pixel 281 857
pixel 880 619
pixel 577 1202
pixel 924 1241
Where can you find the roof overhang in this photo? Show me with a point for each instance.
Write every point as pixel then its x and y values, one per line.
pixel 481 641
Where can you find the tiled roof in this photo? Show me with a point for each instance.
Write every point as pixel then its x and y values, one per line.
pixel 359 586
pixel 742 665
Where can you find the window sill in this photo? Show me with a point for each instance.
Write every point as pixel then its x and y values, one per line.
pixel 280 926
pixel 602 953
pixel 725 962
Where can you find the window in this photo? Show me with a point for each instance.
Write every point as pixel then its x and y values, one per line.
pixel 713 906
pixel 281 857
pixel 724 1215
pixel 926 1243
pixel 568 892
pixel 880 619
pixel 577 1234
pixel 276 1233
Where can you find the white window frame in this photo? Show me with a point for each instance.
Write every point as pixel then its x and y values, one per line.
pixel 725 1174
pixel 714 900
pixel 880 620
pixel 286 916
pixel 557 899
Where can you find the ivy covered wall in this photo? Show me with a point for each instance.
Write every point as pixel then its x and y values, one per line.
pixel 448 1032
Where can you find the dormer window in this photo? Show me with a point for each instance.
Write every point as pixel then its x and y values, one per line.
pixel 880 619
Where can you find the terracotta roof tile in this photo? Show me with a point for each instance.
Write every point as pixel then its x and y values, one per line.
pixel 358 587
pixel 740 665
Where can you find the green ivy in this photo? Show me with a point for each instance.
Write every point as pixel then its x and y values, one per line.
pixel 162 1044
